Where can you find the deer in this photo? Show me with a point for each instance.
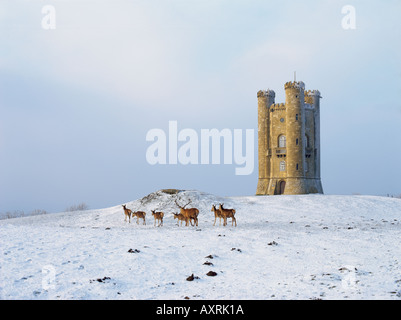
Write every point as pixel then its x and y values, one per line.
pixel 228 213
pixel 158 216
pixel 127 213
pixel 190 213
pixel 139 215
pixel 181 218
pixel 217 214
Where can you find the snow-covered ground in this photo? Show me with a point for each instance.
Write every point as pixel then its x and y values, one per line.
pixel 284 247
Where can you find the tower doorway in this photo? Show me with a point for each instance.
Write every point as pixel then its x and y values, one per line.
pixel 281 187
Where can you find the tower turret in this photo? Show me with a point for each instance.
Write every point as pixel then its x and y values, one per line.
pixel 295 119
pixel 265 100
pixel 313 97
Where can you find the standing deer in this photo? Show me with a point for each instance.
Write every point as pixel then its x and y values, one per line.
pixel 181 218
pixel 158 216
pixel 217 214
pixel 228 213
pixel 139 215
pixel 127 213
pixel 190 213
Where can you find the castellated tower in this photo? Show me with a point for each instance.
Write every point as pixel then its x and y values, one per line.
pixel 289 141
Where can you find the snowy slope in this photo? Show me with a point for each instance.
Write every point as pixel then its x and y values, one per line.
pixel 284 247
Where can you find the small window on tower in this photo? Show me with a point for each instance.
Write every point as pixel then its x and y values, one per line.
pixel 281 141
pixel 282 165
pixel 297 166
pixel 296 117
pixel 296 141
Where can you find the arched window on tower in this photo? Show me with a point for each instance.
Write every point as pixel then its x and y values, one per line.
pixel 282 141
pixel 307 141
pixel 282 165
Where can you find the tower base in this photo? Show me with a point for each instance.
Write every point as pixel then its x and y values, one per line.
pixel 287 186
pixel 263 185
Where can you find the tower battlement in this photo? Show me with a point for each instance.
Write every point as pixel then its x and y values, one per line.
pixel 294 85
pixel 312 96
pixel 289 141
pixel 277 105
pixel 266 93
pixel 312 93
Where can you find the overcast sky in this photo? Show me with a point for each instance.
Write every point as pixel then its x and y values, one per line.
pixel 77 101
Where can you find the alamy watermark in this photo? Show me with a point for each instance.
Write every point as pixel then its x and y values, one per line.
pixel 203 150
pixel 49 19
pixel 48 277
pixel 349 19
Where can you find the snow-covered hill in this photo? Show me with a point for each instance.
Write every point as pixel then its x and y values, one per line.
pixel 284 247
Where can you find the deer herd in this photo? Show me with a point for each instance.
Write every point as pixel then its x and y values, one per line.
pixel 187 215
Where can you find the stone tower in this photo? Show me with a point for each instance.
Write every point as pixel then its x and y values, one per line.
pixel 289 141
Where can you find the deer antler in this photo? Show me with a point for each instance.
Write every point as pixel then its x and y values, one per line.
pixel 175 200
pixel 183 207
pixel 187 203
